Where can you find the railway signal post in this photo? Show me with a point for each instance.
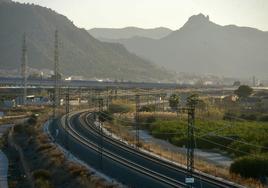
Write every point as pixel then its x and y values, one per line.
pixel 67 110
pixel 100 115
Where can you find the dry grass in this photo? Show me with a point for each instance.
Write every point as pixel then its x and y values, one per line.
pixel 45 155
pixel 158 115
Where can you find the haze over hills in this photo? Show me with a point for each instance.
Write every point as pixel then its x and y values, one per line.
pixel 80 53
pixel 202 46
pixel 129 32
pixel 5 1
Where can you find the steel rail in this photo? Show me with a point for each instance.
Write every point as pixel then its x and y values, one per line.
pixel 159 177
pixel 198 175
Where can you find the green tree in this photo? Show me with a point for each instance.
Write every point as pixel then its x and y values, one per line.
pixel 192 100
pixel 174 100
pixel 243 91
pixel 237 83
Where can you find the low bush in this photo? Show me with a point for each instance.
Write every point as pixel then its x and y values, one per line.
pixel 41 174
pixel 149 120
pixel 19 128
pixel 105 116
pixel 250 117
pixel 229 116
pixel 120 108
pixel 250 166
pixel 44 147
pixel 264 118
pixel 148 108
pixel 32 119
pixel 231 138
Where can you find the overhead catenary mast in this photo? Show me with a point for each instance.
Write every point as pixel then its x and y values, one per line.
pixel 56 74
pixel 24 60
pixel 137 119
pixel 190 146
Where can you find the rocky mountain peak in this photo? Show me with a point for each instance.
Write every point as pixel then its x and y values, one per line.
pixel 197 20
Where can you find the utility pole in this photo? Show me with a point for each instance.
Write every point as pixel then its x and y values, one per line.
pixel 154 105
pixel 67 110
pixel 190 146
pixel 137 118
pixel 107 98
pixel 254 81
pixel 56 74
pixel 90 99
pixel 100 100
pixel 115 92
pixel 100 105
pixel 79 97
pixel 24 60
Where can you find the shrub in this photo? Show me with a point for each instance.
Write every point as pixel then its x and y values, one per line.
pixel 44 147
pixel 243 91
pixel 148 108
pixel 250 167
pixel 32 120
pixel 174 100
pixel 120 108
pixel 250 117
pixel 229 116
pixel 240 149
pixel 41 174
pixel 264 118
pixel 105 116
pixel 18 128
pixel 40 183
pixel 150 119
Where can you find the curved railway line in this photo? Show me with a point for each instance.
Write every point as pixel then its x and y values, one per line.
pixel 121 161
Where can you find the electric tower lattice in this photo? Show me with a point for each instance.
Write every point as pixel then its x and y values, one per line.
pixel 56 74
pixel 24 60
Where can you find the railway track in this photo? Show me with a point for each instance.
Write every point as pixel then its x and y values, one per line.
pixel 166 180
pixel 217 182
pixel 82 128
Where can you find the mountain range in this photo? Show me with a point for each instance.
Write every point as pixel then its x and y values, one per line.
pixel 204 47
pixel 79 52
pixel 129 32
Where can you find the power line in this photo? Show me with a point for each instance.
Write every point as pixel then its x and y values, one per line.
pixel 203 135
pixel 215 143
pixel 242 142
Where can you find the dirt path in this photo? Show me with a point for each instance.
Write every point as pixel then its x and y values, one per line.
pixel 209 156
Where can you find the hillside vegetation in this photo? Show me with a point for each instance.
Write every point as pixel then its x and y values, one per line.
pixel 80 53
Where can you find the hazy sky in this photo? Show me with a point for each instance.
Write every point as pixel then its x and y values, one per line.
pixel 155 13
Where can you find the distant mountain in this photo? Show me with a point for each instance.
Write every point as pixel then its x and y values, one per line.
pixel 80 53
pixel 202 46
pixel 107 34
pixel 5 1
